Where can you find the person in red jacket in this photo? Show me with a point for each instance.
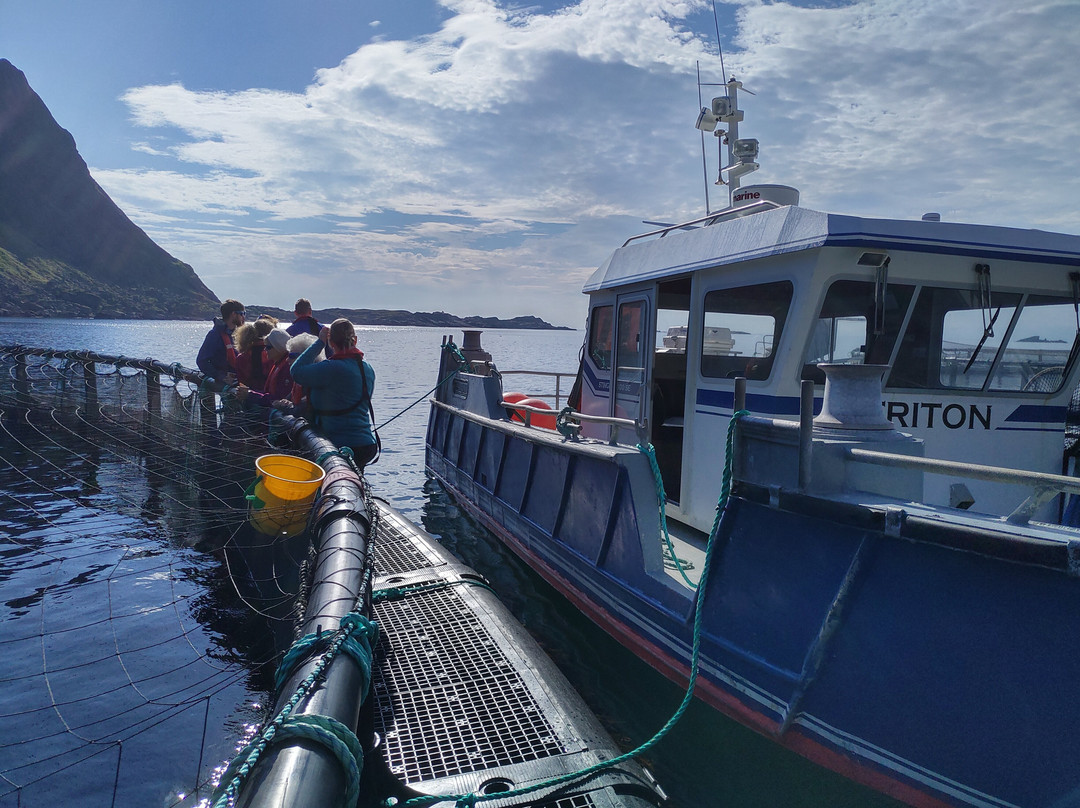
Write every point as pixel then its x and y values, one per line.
pixel 279 384
pixel 252 363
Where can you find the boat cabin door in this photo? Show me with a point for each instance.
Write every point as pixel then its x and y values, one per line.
pixel 667 387
pixel 630 382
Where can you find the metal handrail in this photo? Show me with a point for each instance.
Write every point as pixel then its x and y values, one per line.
pixel 615 423
pixel 711 218
pixel 1046 485
pixel 558 381
pixel 975 471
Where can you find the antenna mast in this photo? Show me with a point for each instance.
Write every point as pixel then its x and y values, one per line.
pixel 741 152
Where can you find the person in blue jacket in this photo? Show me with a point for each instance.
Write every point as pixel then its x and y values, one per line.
pixel 339 390
pixel 304 323
pixel 217 356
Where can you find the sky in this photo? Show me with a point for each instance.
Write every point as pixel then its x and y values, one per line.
pixel 483 158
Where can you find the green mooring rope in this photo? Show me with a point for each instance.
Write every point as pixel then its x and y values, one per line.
pixel 469 800
pixel 344 452
pixel 463 363
pixel 725 482
pixel 323 729
pixel 661 497
pixel 358 649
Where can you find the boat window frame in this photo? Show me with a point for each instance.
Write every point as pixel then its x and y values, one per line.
pixel 780 324
pixel 823 295
pixel 594 324
pixel 645 325
pixel 1006 341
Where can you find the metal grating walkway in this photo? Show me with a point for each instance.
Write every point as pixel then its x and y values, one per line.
pixel 464 701
pixel 443 667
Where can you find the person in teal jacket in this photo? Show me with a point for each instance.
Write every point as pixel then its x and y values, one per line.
pixel 339 390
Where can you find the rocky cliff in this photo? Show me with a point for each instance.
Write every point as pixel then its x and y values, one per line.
pixel 65 248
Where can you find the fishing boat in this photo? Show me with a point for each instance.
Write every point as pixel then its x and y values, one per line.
pixel 879 570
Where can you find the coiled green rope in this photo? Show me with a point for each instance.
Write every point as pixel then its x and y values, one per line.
pixel 344 452
pixel 463 363
pixel 321 729
pixel 357 645
pixel 469 800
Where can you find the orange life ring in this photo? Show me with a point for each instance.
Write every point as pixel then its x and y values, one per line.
pixel 542 421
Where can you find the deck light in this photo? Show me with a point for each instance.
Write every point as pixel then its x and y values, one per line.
pixel 873 259
pixel 721 107
pixel 706 121
pixel 745 149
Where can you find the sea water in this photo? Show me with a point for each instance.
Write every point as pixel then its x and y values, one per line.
pixel 706 760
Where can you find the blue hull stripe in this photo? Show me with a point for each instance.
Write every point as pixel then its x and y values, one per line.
pixel 1038 414
pixel 789 405
pixel 947 247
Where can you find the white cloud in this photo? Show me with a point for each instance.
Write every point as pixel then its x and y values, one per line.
pixel 961 104
pixel 577 124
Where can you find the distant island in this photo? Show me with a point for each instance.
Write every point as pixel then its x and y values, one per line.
pixel 67 250
pixel 435 319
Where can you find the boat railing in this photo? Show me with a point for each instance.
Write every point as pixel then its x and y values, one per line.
pixel 615 425
pixel 704 221
pixel 1046 486
pixel 547 373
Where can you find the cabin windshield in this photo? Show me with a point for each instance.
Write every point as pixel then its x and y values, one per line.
pixel 953 340
pixel 851 329
pixel 1020 343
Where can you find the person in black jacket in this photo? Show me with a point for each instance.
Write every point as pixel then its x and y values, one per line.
pixel 217 356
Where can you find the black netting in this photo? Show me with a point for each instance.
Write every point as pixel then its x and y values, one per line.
pixel 133 630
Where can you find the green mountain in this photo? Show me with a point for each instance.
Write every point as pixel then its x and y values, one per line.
pixel 66 249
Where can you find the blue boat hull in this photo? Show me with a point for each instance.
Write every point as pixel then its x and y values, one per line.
pixel 933 663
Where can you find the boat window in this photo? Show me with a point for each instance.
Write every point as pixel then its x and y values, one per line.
pixel 632 343
pixel 845 328
pixel 1036 356
pixel 951 340
pixel 631 355
pixel 741 329
pixel 600 337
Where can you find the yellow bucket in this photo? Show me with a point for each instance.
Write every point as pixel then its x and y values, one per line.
pixel 283 493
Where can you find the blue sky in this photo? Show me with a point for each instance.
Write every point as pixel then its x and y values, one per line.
pixel 483 158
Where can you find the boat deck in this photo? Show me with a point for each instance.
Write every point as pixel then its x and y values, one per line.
pixel 689 546
pixel 464 700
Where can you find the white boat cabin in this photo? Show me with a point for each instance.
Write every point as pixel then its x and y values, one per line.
pixel 979 326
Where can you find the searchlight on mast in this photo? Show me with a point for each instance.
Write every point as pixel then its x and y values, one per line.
pixel 741 152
